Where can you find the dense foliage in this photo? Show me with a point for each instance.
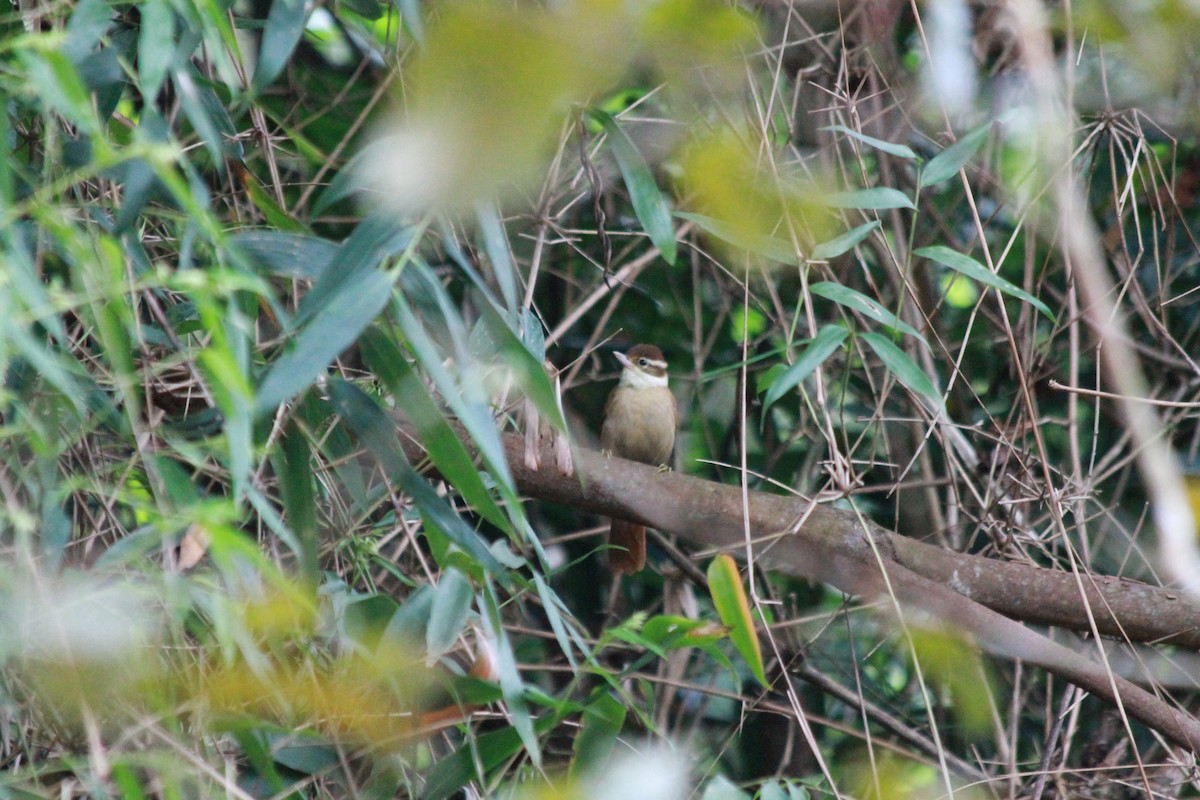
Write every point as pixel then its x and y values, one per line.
pixel 251 252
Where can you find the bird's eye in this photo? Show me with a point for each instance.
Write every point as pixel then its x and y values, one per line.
pixel 642 362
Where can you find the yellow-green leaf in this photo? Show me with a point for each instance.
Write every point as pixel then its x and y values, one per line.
pixel 729 597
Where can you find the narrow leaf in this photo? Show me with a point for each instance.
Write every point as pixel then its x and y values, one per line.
pixel 285 26
pixel 898 150
pixel 288 254
pixel 835 247
pixel 337 327
pixel 729 597
pixel 648 201
pixel 495 243
pixel 156 45
pixel 844 295
pixel 960 262
pixel 904 368
pixel 293 466
pixel 451 606
pixel 602 722
pixel 445 449
pixel 823 345
pixel 375 430
pixel 946 164
pixel 878 198
pixel 766 246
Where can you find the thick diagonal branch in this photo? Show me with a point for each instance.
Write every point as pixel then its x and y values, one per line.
pixel 832 546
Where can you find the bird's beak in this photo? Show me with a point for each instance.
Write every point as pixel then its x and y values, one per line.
pixel 624 359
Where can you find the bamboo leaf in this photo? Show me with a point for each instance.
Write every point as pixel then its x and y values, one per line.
pixel 904 368
pixel 844 295
pixel 946 164
pixel 766 246
pixel 835 247
pixel 964 264
pixel 822 346
pixel 729 597
pixel 877 198
pixel 898 150
pixel 649 203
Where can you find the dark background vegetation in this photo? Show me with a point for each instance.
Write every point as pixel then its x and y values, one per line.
pixel 249 249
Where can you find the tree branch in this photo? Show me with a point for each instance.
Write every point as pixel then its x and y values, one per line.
pixel 972 593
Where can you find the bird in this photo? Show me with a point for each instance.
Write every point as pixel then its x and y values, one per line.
pixel 640 419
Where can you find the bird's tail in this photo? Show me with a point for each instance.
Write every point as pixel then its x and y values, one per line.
pixel 628 552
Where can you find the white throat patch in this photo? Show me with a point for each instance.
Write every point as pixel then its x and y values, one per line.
pixel 636 379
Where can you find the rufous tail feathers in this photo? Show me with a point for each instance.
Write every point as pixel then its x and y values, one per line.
pixel 628 551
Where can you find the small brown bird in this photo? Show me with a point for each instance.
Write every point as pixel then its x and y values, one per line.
pixel 639 424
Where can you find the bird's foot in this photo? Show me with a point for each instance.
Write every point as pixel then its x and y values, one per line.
pixel 665 468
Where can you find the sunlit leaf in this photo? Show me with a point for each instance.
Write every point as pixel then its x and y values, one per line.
pixel 729 597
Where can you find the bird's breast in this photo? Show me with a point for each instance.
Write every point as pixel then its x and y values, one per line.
pixel 639 424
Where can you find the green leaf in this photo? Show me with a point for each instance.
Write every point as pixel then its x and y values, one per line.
pixel 721 788
pixel 729 597
pixel 335 328
pixel 445 449
pixel 377 237
pixel 285 26
pixel 451 607
pixel 288 254
pixel 293 466
pixel 601 724
pixel 529 373
pixel 968 266
pixel 478 757
pixel 495 244
pixel 276 215
pixel 649 203
pixel 555 611
pixel 89 21
pixel 903 367
pixel 156 45
pixel 898 150
pixel 206 113
pixel 823 345
pixel 946 164
pixel 375 430
pixel 312 758
pixel 771 790
pixel 468 401
pixel 844 295
pixel 511 683
pixel 366 617
pixel 835 247
pixel 766 246
pixel 878 198
pixel 56 83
